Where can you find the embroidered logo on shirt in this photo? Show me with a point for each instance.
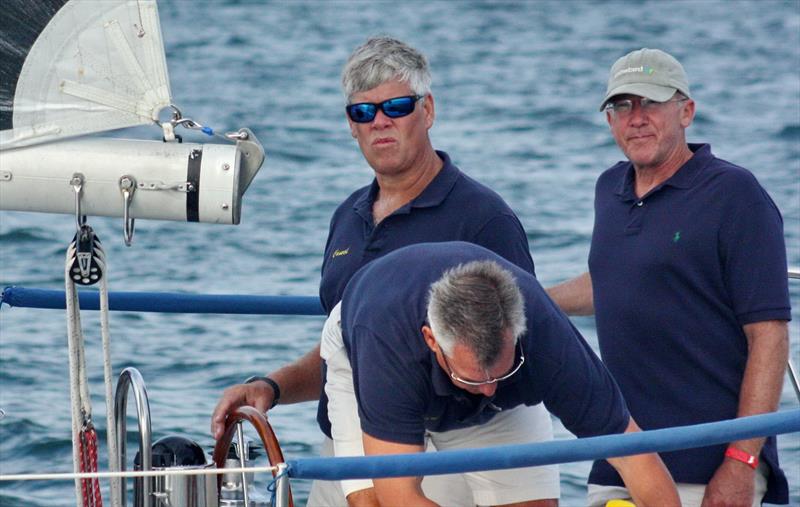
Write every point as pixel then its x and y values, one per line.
pixel 676 237
pixel 339 253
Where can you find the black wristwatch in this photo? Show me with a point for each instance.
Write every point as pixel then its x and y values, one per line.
pixel 274 385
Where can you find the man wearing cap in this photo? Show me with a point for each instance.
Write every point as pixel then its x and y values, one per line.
pixel 687 280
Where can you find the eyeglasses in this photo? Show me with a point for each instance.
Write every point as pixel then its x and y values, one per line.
pixel 624 107
pixel 364 112
pixel 491 380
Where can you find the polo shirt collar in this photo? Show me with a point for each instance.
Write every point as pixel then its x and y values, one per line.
pixel 684 178
pixel 433 195
pixel 363 205
pixel 438 189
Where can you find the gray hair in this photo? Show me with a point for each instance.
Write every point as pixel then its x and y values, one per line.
pixel 382 59
pixel 474 304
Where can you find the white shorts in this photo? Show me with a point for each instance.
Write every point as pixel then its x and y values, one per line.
pixel 520 425
pixel 446 490
pixel 691 494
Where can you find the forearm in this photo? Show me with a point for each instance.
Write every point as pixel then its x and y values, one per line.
pixel 574 296
pixel 363 498
pixel 768 353
pixel 646 478
pixel 406 491
pixel 300 380
pixel 392 495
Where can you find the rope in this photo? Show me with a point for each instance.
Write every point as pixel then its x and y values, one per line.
pixel 74 342
pixel 85 483
pixel 90 487
pixel 98 498
pixel 62 476
pixel 272 486
pixel 111 430
pixel 84 436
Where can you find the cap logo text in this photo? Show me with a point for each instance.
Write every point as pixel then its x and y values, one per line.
pixel 642 68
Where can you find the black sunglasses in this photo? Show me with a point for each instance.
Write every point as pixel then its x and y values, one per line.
pixel 364 112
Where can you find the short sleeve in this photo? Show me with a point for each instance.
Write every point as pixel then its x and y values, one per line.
pixel 753 256
pixel 391 393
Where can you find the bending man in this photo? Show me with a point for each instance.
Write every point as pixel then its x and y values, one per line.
pixel 450 342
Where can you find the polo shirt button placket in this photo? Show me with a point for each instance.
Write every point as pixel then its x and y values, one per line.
pixel 373 244
pixel 635 224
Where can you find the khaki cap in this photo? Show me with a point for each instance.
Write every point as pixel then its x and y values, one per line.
pixel 649 73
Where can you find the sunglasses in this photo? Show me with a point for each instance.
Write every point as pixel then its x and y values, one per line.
pixel 479 383
pixel 364 112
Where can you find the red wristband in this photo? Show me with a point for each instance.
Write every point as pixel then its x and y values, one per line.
pixel 739 455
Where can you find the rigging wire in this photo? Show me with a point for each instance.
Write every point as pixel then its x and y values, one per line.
pixel 178 120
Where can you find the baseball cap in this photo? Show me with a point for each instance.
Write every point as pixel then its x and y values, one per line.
pixel 649 73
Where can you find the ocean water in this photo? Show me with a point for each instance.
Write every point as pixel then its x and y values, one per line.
pixel 517 86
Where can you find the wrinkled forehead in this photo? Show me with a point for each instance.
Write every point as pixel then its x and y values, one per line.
pixel 383 91
pixel 390 81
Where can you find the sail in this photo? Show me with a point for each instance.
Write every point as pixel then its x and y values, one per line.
pixel 72 67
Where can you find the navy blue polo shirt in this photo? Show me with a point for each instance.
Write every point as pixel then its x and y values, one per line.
pixel 676 274
pixel 383 311
pixel 452 207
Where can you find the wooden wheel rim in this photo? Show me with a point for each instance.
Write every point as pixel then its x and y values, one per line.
pixel 264 430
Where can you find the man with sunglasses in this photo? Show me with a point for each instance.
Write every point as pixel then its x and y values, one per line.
pixel 417 195
pixel 687 280
pixel 454 353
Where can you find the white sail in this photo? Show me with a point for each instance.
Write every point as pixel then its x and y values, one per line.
pixel 74 67
pixel 95 65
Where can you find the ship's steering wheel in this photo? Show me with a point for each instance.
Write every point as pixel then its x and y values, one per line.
pixel 268 438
